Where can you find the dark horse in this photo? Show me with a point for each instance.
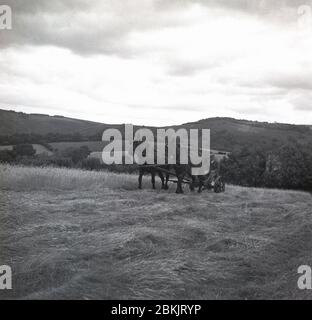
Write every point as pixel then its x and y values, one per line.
pixel 211 180
pixel 181 171
pixel 153 171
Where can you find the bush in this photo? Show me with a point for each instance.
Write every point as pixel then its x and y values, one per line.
pixel 77 154
pixel 286 167
pixel 7 156
pixel 24 150
pixel 290 168
pixel 244 167
pixel 91 164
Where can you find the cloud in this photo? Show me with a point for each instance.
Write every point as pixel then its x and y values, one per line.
pixel 302 102
pixel 186 68
pixel 105 27
pixel 298 81
pixel 85 27
pixel 157 62
pixel 261 7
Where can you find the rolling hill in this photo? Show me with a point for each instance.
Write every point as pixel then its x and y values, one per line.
pixel 12 122
pixel 226 133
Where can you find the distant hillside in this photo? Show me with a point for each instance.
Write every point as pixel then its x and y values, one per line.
pixel 226 133
pixel 12 122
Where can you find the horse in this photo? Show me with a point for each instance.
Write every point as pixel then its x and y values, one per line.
pixel 181 171
pixel 207 181
pixel 152 170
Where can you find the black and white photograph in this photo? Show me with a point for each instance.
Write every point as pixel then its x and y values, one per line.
pixel 156 150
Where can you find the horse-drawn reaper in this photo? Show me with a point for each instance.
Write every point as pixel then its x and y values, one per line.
pixel 182 174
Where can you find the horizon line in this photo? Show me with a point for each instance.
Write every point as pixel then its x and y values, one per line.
pixel 154 126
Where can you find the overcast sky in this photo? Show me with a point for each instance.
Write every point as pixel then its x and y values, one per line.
pixel 159 62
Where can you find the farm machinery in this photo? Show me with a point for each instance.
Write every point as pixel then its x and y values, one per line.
pixel 211 181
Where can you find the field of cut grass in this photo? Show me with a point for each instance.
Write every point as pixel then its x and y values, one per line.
pixel 93 235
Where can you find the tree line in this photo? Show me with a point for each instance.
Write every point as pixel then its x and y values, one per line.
pixel 288 166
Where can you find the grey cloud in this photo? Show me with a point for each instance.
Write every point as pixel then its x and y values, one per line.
pixel 258 6
pixel 82 40
pixel 85 27
pixel 95 27
pixel 293 82
pixel 183 107
pixel 280 11
pixel 169 107
pixel 248 110
pixel 59 23
pixel 302 102
pixel 180 68
pixel 282 82
pixel 33 6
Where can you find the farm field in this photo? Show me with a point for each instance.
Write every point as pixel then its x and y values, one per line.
pixel 92 145
pixel 63 146
pixel 92 235
pixel 40 149
pixel 97 146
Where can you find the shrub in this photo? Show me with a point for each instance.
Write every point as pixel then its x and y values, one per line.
pixel 24 150
pixel 91 164
pixel 76 154
pixel 7 156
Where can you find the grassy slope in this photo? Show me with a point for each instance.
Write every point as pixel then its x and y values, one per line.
pixel 92 145
pixel 76 234
pixel 17 122
pixel 226 133
pixel 40 149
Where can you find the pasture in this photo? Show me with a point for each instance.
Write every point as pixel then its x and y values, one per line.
pixel 92 235
pixel 39 148
pixel 92 145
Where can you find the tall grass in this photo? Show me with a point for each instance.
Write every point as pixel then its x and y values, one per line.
pixel 22 178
